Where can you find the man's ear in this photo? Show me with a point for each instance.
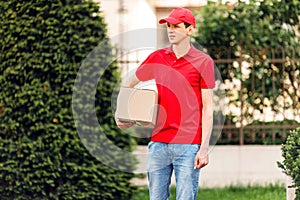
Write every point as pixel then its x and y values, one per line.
pixel 190 30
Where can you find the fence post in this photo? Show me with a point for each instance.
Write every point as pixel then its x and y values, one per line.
pixel 241 130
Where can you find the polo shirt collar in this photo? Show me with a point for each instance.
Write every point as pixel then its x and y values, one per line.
pixel 192 51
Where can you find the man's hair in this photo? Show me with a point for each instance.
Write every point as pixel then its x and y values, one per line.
pixel 186 24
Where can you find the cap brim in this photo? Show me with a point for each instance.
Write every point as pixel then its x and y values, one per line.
pixel 170 20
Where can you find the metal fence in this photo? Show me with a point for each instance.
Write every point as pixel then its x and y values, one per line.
pixel 263 105
pixel 267 96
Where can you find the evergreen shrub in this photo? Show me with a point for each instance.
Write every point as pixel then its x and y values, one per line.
pixel 42 46
pixel 291 163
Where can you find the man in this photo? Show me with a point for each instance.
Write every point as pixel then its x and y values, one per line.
pixel 180 140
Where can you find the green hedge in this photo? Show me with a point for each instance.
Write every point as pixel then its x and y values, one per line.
pixel 291 163
pixel 42 46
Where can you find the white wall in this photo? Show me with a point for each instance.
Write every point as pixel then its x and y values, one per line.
pixel 232 165
pixel 138 15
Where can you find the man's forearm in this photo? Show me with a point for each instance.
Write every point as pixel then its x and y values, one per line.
pixel 207 126
pixel 207 116
pixel 131 81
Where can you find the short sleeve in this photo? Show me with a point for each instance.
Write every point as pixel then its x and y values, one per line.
pixel 207 74
pixel 145 71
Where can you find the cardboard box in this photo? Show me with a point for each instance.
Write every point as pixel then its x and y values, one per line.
pixel 137 105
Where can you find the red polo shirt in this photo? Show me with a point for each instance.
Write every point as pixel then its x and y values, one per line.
pixel 179 83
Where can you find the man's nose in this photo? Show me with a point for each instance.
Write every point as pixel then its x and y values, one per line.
pixel 170 30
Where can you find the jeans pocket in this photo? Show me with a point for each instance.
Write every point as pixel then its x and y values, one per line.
pixel 156 147
pixel 151 147
pixel 196 146
pixel 150 144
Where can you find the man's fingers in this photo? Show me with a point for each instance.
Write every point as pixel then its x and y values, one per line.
pixel 200 163
pixel 195 163
pixel 122 124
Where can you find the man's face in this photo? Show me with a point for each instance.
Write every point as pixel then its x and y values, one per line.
pixel 178 32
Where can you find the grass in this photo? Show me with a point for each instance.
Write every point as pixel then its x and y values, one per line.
pixel 271 192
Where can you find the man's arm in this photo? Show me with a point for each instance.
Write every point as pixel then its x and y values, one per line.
pixel 131 81
pixel 201 158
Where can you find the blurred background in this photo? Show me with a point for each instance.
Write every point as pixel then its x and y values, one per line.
pixel 61 63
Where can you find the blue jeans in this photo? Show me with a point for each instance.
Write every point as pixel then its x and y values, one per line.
pixel 162 160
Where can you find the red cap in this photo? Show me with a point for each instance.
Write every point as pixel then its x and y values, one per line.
pixel 179 15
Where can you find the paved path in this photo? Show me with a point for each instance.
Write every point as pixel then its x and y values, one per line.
pixel 232 165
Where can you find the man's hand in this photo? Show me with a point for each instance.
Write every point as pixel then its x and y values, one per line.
pixel 124 124
pixel 201 158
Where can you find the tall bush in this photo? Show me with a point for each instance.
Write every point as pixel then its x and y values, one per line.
pixel 258 34
pixel 291 163
pixel 42 46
